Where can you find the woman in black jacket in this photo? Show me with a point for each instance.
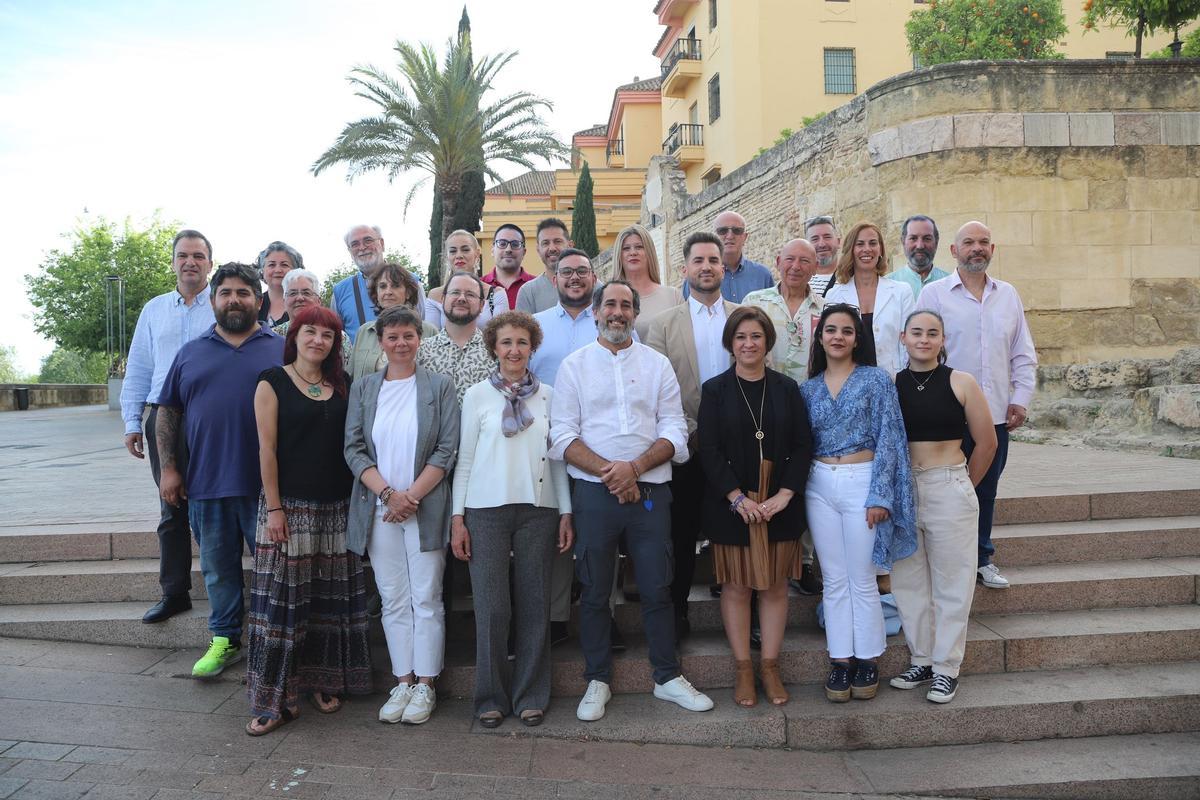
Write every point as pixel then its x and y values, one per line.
pixel 755 447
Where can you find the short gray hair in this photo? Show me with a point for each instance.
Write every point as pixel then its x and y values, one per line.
pixel 280 247
pixel 299 273
pixel 353 228
pixel 824 219
pixel 598 295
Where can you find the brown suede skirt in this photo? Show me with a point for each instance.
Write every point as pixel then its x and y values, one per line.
pixel 763 563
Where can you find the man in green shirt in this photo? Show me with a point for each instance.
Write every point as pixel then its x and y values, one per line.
pixel 919 235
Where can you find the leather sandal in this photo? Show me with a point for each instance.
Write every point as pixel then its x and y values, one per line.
pixel 532 717
pixel 490 719
pixel 325 703
pixel 267 724
pixel 743 684
pixel 773 682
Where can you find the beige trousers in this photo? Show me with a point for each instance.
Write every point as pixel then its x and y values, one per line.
pixel 934 586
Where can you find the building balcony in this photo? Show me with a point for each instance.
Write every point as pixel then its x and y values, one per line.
pixel 685 143
pixel 681 67
pixel 615 153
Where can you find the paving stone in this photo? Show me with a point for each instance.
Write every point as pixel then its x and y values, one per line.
pixel 99 657
pixel 107 791
pixel 8 763
pixel 51 790
pixel 337 792
pixel 46 770
pixel 347 776
pixel 527 787
pixel 10 785
pixel 115 774
pixel 229 784
pixel 42 751
pixel 293 788
pixel 218 765
pixel 464 783
pixel 4 745
pixel 156 759
pixel 402 778
pixel 185 794
pixel 86 754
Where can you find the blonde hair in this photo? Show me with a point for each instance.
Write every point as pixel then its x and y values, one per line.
pixel 478 255
pixel 845 266
pixel 651 254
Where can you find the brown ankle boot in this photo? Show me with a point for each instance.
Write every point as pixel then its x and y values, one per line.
pixel 772 682
pixel 743 684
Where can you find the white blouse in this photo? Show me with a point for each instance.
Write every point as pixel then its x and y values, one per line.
pixel 514 469
pixel 395 432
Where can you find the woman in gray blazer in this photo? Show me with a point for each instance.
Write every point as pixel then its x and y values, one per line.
pixel 401 441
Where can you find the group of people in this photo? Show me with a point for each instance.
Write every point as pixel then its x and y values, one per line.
pixel 836 423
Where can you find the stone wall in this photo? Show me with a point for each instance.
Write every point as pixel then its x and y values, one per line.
pixel 53 395
pixel 1087 172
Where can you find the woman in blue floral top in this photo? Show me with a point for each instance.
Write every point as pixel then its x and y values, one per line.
pixel 859 496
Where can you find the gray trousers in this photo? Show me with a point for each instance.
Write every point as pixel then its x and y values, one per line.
pixel 530 534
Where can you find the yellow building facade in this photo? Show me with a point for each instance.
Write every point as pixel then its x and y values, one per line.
pixel 737 73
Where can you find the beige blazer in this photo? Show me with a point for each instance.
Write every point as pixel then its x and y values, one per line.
pixel 671 334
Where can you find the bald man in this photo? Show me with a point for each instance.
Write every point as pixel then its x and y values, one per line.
pixel 742 275
pixel 987 336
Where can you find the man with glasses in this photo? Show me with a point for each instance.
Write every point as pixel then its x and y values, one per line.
pixel 742 275
pixel 508 251
pixel 166 323
pixel 458 351
pixel 823 235
pixel 350 299
pixel 540 293
pixel 919 236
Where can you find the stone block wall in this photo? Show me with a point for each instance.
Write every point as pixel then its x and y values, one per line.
pixel 1087 172
pixel 53 395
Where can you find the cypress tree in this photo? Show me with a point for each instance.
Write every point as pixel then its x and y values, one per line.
pixel 583 218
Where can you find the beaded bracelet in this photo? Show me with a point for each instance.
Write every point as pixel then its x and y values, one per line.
pixel 737 502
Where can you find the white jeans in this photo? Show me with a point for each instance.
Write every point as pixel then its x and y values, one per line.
pixel 837 516
pixel 934 586
pixel 410 586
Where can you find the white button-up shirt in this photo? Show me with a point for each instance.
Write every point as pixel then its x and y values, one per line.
pixel 618 404
pixel 165 325
pixel 708 322
pixel 561 336
pixel 988 338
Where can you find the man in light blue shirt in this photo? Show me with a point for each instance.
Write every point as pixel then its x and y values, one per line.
pixel 569 324
pixel 350 300
pixel 166 323
pixel 919 236
pixel 742 276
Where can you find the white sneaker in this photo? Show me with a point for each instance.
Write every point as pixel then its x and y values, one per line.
pixel 393 709
pixel 591 707
pixel 989 576
pixel 421 706
pixel 683 694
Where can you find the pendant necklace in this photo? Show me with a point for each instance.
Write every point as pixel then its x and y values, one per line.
pixel 314 387
pixel 757 423
pixel 920 384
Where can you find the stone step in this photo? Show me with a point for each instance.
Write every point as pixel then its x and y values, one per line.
pixel 134 537
pixel 1003 707
pixel 115 581
pixel 1096 540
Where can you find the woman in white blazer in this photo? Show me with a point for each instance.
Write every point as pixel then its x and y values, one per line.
pixel 509 497
pixel 884 303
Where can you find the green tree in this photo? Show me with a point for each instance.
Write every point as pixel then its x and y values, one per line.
pixel 583 217
pixel 988 30
pixel 1140 17
pixel 68 292
pixel 71 366
pixel 438 117
pixel 1190 47
pixel 9 373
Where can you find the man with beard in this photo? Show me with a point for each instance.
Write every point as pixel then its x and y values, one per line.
pixel 919 236
pixel 166 323
pixel 350 300
pixel 617 421
pixel 458 351
pixel 539 294
pixel 508 251
pixel 689 335
pixel 823 235
pixel 211 387
pixel 741 275
pixel 987 336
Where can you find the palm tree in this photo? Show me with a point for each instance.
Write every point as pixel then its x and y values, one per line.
pixel 439 123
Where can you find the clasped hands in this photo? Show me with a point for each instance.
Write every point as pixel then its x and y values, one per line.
pixel 620 478
pixel 400 505
pixel 752 512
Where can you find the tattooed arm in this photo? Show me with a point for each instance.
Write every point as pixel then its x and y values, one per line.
pixel 166 431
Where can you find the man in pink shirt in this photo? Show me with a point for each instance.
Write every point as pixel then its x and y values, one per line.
pixel 987 336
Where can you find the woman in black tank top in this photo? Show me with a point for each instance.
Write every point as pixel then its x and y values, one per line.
pixel 934 587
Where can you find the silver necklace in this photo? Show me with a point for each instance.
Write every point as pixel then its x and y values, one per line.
pixel 921 384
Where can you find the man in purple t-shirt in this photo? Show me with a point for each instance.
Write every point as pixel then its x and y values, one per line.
pixel 210 387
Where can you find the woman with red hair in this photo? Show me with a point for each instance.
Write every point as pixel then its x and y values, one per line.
pixel 308 614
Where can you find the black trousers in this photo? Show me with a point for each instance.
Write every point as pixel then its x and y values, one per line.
pixel 174 532
pixel 687 490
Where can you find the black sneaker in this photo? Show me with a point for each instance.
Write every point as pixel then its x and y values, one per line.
pixel 558 633
pixel 866 680
pixel 808 583
pixel 943 690
pixel 837 687
pixel 616 642
pixel 912 677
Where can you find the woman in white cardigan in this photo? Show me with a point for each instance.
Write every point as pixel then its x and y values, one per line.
pixel 884 303
pixel 510 497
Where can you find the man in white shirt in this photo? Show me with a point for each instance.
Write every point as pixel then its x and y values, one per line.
pixel 987 336
pixel 689 335
pixel 823 235
pixel 166 323
pixel 616 419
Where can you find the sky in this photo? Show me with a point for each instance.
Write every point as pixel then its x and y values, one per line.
pixel 211 114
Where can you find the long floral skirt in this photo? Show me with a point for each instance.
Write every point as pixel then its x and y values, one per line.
pixel 308 611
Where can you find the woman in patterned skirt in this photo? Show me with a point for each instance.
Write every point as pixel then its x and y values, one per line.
pixel 308 616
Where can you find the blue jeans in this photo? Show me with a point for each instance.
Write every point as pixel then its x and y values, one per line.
pixel 986 491
pixel 220 527
pixel 600 522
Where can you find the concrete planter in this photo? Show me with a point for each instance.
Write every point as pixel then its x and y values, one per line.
pixel 114 393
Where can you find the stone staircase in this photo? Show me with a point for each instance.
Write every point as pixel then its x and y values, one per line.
pixel 1097 640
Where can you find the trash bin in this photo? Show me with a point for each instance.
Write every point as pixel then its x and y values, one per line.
pixel 22 398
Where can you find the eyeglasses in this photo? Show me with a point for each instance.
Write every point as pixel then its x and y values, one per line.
pixel 515 244
pixel 366 241
pixel 567 272
pixel 300 293
pixel 454 294
pixel 735 230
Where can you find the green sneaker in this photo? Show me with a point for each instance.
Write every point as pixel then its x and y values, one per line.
pixel 221 653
